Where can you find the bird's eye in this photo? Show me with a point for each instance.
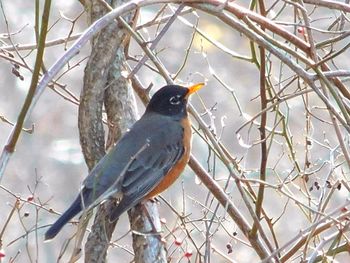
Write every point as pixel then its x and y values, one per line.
pixel 175 100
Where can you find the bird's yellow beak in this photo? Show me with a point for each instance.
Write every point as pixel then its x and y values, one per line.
pixel 195 88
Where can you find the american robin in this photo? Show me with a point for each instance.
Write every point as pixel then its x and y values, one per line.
pixel 144 162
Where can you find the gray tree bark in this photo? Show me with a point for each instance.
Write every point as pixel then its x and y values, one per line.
pixel 105 85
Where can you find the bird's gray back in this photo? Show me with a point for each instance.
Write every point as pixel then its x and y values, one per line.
pixel 148 135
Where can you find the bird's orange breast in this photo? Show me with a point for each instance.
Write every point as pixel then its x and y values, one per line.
pixel 177 169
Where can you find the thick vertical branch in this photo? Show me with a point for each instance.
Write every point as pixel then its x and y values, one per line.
pixel 104 79
pixel 262 128
pixel 90 120
pixel 97 74
pixel 91 99
pixel 147 243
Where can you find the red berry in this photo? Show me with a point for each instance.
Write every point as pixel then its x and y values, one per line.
pixel 178 242
pixel 300 30
pixel 2 254
pixel 188 253
pixel 30 198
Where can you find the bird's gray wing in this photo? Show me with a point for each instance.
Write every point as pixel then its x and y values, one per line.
pixel 145 172
pixel 137 163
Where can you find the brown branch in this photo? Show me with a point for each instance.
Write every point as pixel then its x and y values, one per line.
pixel 344 247
pixel 242 14
pixel 157 39
pixel 229 206
pixel 49 43
pixel 329 4
pixel 262 128
pixel 319 228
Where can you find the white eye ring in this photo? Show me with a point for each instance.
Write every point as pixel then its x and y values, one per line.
pixel 175 100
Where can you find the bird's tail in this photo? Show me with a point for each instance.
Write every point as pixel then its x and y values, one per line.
pixel 74 209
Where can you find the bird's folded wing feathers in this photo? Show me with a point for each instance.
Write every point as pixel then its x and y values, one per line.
pixel 144 174
pixel 137 162
pixel 146 171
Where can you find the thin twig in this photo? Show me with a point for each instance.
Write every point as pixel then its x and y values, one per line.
pixel 14 136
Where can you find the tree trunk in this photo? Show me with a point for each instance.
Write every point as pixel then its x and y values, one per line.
pixel 105 84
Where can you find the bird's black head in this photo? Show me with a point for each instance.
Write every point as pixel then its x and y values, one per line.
pixel 171 100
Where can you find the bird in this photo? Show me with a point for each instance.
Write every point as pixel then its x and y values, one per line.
pixel 144 162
